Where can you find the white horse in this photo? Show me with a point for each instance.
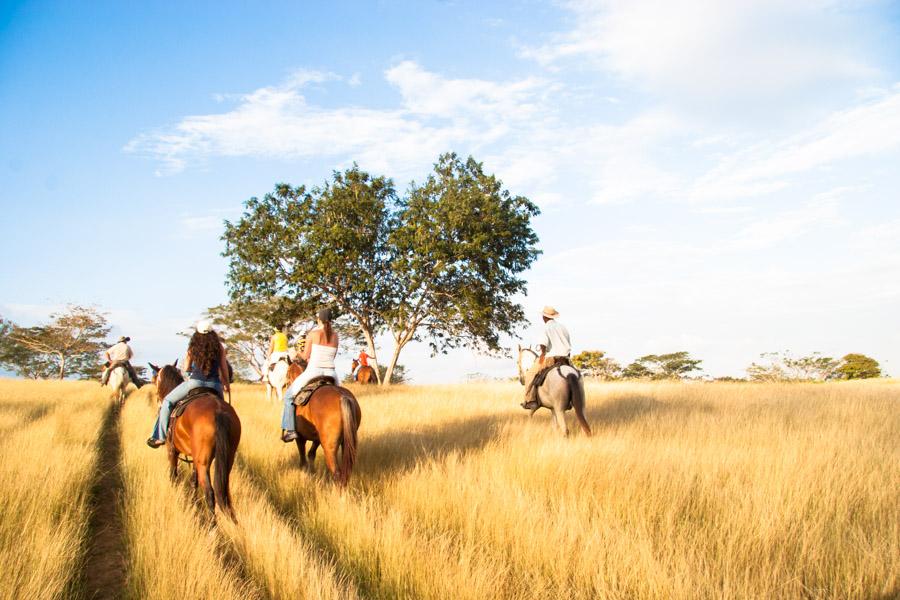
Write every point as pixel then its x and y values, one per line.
pixel 563 388
pixel 118 381
pixel 276 379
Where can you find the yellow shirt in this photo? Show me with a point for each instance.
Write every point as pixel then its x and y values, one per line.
pixel 279 342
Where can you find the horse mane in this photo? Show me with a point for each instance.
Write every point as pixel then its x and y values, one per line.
pixel 167 379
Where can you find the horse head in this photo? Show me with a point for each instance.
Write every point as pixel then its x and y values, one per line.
pixel 521 358
pixel 167 378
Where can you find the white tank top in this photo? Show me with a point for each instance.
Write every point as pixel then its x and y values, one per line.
pixel 322 357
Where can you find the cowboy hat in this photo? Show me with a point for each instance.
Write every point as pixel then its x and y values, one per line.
pixel 550 312
pixel 204 325
pixel 124 338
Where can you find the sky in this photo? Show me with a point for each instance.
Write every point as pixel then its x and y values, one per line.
pixel 720 177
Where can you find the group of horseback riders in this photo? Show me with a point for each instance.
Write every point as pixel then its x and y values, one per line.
pixel 207 366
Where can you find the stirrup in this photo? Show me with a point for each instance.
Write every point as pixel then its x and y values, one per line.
pixel 288 436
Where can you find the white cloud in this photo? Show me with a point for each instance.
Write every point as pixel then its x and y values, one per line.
pixel 869 129
pixel 278 122
pixel 713 47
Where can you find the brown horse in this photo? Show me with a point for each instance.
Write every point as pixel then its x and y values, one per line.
pixel 208 431
pixel 365 375
pixel 331 418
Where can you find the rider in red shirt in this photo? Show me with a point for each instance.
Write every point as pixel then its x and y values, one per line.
pixel 363 359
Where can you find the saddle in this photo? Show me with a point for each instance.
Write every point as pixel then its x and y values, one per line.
pixel 284 358
pixel 192 395
pixel 303 396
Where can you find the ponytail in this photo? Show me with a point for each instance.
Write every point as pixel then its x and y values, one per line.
pixel 326 327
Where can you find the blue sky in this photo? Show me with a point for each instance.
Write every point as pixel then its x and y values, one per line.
pixel 715 177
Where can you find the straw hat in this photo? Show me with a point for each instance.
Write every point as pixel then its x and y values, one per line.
pixel 204 325
pixel 550 312
pixel 125 339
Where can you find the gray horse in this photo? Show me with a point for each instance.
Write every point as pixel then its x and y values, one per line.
pixel 562 389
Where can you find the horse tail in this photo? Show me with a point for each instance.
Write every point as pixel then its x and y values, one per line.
pixel 223 459
pixel 576 396
pixel 348 452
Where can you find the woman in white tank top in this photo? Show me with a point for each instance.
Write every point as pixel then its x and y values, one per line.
pixel 319 352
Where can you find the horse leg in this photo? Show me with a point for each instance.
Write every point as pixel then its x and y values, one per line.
pixel 312 453
pixel 206 484
pixel 559 416
pixel 301 446
pixel 329 447
pixel 173 461
pixel 194 482
pixel 268 391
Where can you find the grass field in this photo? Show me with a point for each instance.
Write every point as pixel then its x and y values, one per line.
pixel 684 491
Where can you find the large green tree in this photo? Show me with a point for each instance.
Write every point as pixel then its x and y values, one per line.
pixel 309 248
pixel 441 264
pixel 68 345
pixel 459 244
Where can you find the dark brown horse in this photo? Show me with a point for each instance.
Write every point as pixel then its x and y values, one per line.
pixel 331 419
pixel 209 432
pixel 365 375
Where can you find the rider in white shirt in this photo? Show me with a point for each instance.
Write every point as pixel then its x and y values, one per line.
pixel 319 352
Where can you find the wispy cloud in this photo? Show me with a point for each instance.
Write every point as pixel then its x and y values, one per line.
pixel 701 48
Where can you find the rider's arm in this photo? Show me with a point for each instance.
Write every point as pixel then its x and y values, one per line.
pixel 271 345
pixel 186 365
pixel 311 338
pixel 223 370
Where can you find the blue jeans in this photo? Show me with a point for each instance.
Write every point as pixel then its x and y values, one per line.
pixel 287 417
pixel 180 391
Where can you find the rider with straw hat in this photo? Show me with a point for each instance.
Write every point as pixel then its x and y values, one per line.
pixel 555 349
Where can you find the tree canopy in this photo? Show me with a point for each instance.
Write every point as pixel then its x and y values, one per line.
pixel 858 366
pixel 595 363
pixel 68 345
pixel 782 366
pixel 440 264
pixel 675 365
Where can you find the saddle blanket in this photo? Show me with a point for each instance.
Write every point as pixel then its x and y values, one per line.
pixel 192 395
pixel 302 398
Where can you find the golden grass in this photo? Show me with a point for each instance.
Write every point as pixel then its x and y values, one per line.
pixel 48 452
pixel 684 491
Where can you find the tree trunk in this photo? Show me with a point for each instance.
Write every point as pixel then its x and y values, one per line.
pixel 370 343
pixel 62 366
pixel 390 370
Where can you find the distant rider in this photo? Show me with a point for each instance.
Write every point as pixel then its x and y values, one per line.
pixel 120 355
pixel 319 352
pixel 555 349
pixel 207 367
pixel 278 348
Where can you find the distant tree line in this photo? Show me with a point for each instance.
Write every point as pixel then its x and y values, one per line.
pixel 775 366
pixel 68 346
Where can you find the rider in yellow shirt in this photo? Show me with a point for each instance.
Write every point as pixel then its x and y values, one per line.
pixel 278 348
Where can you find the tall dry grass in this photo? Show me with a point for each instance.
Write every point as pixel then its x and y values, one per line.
pixel 684 491
pixel 48 453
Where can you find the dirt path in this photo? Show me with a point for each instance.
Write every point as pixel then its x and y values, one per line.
pixel 103 575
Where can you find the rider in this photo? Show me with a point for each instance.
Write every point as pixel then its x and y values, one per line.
pixel 555 348
pixel 319 352
pixel 207 367
pixel 363 359
pixel 278 347
pixel 120 353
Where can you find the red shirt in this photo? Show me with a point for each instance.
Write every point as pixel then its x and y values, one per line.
pixel 363 359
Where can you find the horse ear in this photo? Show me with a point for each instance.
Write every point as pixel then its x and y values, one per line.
pixel 175 364
pixel 520 347
pixel 153 368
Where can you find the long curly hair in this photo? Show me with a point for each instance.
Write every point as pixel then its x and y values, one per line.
pixel 206 351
